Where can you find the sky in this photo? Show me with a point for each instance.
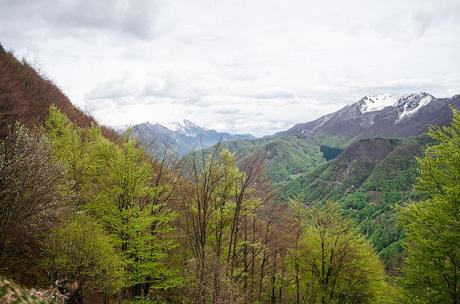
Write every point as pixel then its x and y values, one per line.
pixel 242 66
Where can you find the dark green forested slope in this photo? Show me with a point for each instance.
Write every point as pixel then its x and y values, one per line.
pixel 286 157
pixel 368 178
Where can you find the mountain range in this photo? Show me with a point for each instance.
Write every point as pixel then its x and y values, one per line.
pixel 385 116
pixel 305 146
pixel 181 137
pixel 362 156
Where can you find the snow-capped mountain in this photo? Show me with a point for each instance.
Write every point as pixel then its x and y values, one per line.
pixel 372 103
pixel 387 116
pixel 181 137
pixel 406 105
pixel 186 127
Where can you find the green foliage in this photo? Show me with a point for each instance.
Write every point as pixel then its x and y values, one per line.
pixel 68 149
pixel 111 212
pixel 114 185
pixel 432 226
pixel 125 205
pixel 141 300
pixel 333 141
pixel 368 187
pixel 220 199
pixel 81 251
pixel 330 152
pixel 286 157
pixel 337 263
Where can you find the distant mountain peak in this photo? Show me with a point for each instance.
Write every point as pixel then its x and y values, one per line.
pixel 189 124
pixel 385 115
pixel 185 127
pixel 184 136
pixel 373 103
pixel 410 104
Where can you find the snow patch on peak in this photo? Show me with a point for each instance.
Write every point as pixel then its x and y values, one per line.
pixel 406 105
pixel 191 125
pixel 173 125
pixel 186 127
pixel 372 103
pixel 412 100
pixel 410 104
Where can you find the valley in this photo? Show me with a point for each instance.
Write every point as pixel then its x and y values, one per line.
pixel 363 156
pixel 184 214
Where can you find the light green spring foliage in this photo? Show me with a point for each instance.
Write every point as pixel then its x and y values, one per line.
pixel 219 205
pixel 337 264
pixel 114 186
pixel 333 261
pixel 432 226
pixel 81 251
pixel 68 149
pixel 124 204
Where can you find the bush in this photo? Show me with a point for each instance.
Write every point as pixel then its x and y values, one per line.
pixel 81 252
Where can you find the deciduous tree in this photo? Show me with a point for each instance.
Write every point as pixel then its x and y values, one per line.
pixel 432 226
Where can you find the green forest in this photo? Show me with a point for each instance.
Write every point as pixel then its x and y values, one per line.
pixel 88 216
pixel 122 227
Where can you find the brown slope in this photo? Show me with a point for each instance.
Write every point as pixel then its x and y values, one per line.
pixel 26 96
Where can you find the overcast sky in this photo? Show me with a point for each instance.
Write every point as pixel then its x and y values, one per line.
pixel 235 65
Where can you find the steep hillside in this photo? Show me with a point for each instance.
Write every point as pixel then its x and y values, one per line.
pixel 374 116
pixel 286 157
pixel 181 138
pixel 348 171
pixel 26 96
pixel 368 178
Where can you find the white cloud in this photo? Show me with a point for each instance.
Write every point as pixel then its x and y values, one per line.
pixel 254 66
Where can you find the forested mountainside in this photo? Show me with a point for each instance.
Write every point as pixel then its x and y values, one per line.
pixel 88 216
pixel 285 157
pixel 180 138
pixel 368 179
pixel 373 116
pixel 371 176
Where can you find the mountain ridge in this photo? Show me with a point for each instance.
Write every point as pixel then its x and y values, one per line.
pixel 373 116
pixel 368 179
pixel 181 137
pixel 386 116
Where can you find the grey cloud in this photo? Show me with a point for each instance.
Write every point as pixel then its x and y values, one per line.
pixel 125 90
pixel 403 86
pixel 270 95
pixel 114 89
pixel 126 17
pixel 277 66
pixel 416 22
pixel 227 111
pixel 158 88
